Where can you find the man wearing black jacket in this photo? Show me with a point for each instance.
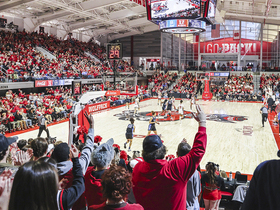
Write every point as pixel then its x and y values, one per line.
pixel 264 192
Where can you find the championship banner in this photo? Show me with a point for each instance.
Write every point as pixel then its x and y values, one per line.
pixel 112 93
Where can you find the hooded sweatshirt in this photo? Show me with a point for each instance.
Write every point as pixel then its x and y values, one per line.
pixel 65 167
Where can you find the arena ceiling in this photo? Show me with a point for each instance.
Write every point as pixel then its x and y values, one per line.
pixel 120 18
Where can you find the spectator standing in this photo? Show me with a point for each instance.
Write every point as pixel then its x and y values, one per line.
pixel 193 186
pixel 156 178
pixel 263 192
pixel 116 184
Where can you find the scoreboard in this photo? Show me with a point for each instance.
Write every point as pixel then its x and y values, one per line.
pixel 114 51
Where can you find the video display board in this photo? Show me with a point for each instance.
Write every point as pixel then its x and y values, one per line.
pixel 158 10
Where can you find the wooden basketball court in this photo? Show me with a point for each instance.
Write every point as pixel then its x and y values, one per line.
pixel 236 139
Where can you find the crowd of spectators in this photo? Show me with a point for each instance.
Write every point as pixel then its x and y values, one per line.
pixel 161 82
pixel 48 174
pixel 236 88
pixel 42 172
pixel 20 61
pixel 20 111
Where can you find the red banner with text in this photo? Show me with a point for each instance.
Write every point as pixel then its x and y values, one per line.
pixel 113 93
pixel 90 109
pixel 231 45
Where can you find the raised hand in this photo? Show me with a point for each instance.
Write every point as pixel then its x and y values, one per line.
pixel 89 119
pixel 200 116
pixel 22 157
pixel 74 152
pixel 6 183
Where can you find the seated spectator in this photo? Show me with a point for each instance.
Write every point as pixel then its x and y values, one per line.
pixel 116 184
pixel 156 178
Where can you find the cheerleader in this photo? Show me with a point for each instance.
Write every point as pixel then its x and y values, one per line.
pixel 129 134
pixel 152 124
pixel 136 106
pixel 181 110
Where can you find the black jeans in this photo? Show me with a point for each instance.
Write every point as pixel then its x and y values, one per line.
pixel 43 128
pixel 264 118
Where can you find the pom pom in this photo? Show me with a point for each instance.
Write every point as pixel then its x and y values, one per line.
pixel 117 146
pixel 97 139
pixel 82 130
pixel 123 155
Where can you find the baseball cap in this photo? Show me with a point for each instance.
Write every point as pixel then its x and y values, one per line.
pixel 151 143
pixel 5 142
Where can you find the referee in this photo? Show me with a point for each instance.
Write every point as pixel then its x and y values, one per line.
pixel 264 112
pixel 43 126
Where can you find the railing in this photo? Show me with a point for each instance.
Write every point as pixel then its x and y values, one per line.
pixel 92 56
pixel 46 52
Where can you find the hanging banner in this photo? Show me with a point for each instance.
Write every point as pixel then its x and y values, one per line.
pixel 230 45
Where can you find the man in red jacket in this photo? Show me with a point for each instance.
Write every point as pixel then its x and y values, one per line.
pixel 158 184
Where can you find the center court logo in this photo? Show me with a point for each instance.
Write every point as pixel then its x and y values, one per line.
pixel 175 116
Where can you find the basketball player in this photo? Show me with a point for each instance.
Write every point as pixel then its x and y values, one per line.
pixel 164 104
pixel 192 101
pixel 126 113
pixel 127 101
pixel 129 134
pixel 136 106
pixel 169 106
pixel 152 122
pixel 181 110
pixel 173 101
pixel 159 98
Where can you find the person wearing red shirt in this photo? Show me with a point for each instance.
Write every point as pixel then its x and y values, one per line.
pixel 156 178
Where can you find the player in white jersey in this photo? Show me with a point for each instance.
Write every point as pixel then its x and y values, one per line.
pixel 173 101
pixel 136 106
pixel 159 98
pixel 181 110
pixel 192 101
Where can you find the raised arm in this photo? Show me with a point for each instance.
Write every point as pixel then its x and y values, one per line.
pixel 184 167
pixel 89 147
pixel 67 197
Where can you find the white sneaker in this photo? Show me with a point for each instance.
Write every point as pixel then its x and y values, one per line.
pixel 129 150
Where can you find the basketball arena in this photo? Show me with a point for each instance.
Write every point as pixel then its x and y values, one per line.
pixel 139 104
